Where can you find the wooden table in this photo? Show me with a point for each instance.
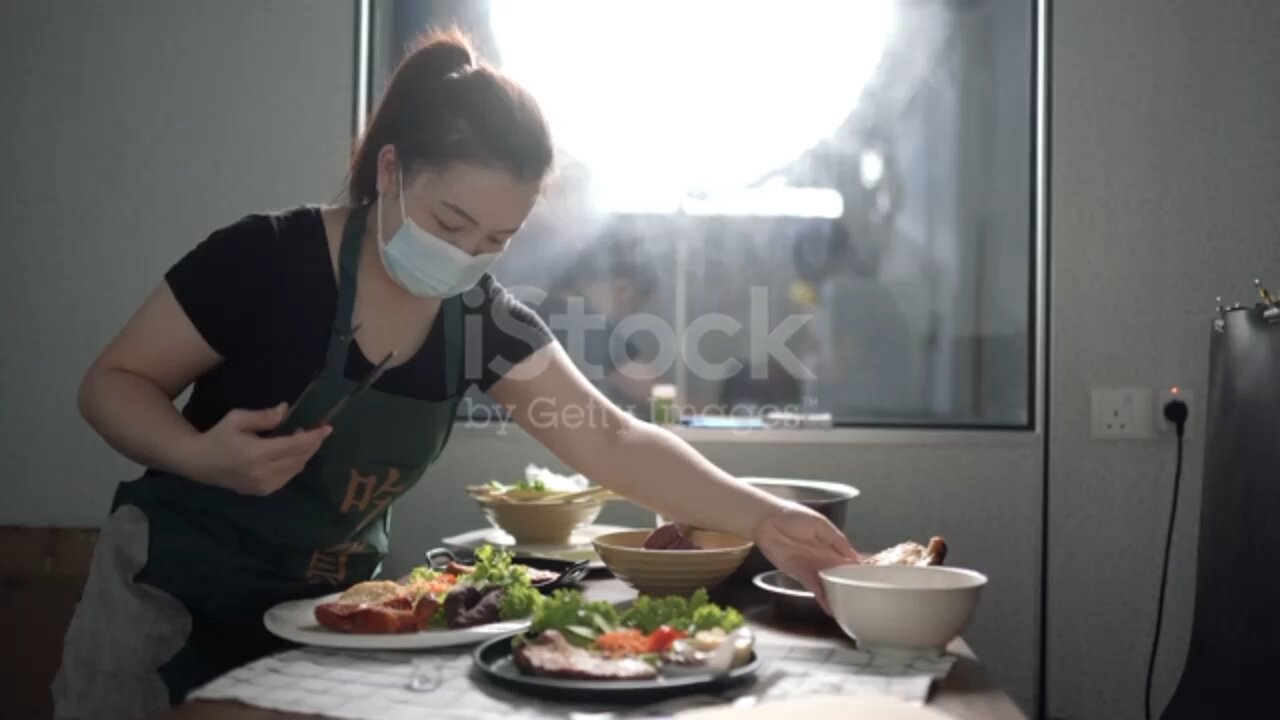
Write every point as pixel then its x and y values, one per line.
pixel 965 694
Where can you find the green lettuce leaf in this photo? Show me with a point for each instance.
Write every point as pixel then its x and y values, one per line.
pixel 568 612
pixel 689 615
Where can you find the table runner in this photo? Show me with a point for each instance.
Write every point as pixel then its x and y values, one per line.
pixel 356 685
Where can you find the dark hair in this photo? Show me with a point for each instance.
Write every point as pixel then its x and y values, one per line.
pixel 442 107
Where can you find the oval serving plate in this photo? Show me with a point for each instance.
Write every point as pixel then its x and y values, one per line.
pixel 494 662
pixel 579 547
pixel 295 621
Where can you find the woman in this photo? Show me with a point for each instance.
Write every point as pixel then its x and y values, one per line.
pixel 245 505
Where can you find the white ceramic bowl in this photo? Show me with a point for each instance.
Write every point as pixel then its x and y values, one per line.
pixel 897 606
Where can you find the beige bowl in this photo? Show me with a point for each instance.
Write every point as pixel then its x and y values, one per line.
pixel 533 523
pixel 672 572
pixel 898 606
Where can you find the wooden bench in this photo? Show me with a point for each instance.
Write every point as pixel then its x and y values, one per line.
pixel 42 573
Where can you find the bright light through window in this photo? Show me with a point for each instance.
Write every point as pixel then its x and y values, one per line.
pixel 661 98
pixel 843 181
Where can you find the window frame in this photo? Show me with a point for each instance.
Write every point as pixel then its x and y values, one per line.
pixel 369 16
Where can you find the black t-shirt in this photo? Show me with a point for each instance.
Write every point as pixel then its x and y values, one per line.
pixel 263 294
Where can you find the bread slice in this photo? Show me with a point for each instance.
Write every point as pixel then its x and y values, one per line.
pixel 371 592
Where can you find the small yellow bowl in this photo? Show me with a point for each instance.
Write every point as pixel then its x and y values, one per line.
pixel 672 572
pixel 533 523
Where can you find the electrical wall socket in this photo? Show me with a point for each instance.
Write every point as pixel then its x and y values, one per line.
pixel 1179 392
pixel 1123 414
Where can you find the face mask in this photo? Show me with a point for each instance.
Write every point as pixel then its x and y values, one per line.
pixel 426 265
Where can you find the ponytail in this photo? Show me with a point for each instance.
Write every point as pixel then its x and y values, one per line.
pixel 443 107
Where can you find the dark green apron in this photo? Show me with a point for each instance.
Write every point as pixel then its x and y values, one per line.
pixel 229 557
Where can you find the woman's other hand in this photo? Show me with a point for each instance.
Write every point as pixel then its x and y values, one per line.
pixel 801 543
pixel 233 454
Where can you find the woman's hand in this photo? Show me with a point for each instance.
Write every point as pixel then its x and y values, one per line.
pixel 802 543
pixel 660 471
pixel 234 455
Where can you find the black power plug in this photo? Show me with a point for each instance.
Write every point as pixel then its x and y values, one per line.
pixel 1175 411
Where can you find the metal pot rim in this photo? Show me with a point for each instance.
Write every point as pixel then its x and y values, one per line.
pixel 767 581
pixel 840 491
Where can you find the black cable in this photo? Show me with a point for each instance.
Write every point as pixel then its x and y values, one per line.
pixel 1176 412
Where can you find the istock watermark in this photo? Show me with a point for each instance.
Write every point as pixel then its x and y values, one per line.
pixel 766 343
pixel 550 413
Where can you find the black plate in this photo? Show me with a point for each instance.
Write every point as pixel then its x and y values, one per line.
pixel 494 662
pixel 571 573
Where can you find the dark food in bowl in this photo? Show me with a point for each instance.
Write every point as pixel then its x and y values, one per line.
pixel 669 537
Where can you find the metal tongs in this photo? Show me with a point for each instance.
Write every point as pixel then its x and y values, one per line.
pixel 332 411
pixel 570 573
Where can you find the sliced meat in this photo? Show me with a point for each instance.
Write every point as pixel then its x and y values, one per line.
pixel 399 615
pixel 468 606
pixel 669 537
pixel 551 655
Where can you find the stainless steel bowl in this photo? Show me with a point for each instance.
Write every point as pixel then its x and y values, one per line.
pixel 790 599
pixel 828 498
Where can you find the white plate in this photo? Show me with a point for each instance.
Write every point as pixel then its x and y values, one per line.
pixel 296 621
pixel 578 548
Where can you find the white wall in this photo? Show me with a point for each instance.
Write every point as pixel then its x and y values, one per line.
pixel 1165 193
pixel 132 129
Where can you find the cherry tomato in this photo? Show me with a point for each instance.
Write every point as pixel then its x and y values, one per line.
pixel 663 637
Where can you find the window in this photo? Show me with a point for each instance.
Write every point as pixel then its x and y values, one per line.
pixel 812 208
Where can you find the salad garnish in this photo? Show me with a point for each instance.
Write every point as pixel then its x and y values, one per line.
pixel 573 637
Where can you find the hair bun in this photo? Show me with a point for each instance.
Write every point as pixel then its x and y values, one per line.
pixel 441 53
